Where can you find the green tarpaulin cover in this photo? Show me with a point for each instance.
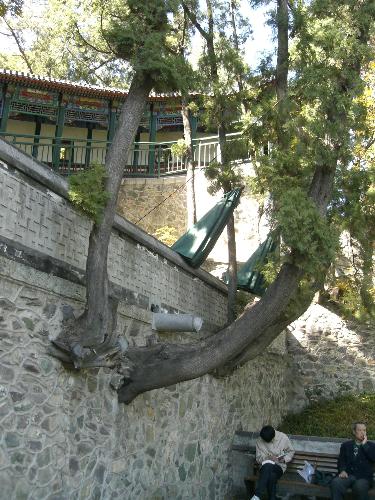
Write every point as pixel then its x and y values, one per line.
pixel 249 278
pixel 195 245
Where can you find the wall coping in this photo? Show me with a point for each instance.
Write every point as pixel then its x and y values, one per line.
pixel 56 183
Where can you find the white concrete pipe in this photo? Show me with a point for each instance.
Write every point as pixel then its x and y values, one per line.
pixel 176 322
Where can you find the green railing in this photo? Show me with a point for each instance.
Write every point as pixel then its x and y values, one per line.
pixel 145 159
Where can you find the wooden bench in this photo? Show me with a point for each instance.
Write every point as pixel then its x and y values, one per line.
pixel 291 483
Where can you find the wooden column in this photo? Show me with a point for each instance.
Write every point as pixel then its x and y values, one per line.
pixel 58 133
pixel 6 109
pixel 193 125
pixel 152 137
pixel 136 150
pixel 88 144
pixel 111 122
pixel 38 126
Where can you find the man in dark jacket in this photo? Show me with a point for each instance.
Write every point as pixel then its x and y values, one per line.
pixel 355 465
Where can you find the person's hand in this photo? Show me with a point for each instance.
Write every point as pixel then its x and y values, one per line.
pixel 343 474
pixel 272 457
pixel 281 460
pixel 364 440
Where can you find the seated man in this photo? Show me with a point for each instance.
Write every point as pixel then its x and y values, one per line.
pixel 355 465
pixel 273 452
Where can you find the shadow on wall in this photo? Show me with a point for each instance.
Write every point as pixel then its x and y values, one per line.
pixel 329 356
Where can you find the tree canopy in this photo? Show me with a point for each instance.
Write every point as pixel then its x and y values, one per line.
pixel 312 107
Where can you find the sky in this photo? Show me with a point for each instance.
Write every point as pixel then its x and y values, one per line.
pixel 259 42
pixel 261 39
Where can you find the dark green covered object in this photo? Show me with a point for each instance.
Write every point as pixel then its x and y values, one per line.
pixel 249 278
pixel 195 245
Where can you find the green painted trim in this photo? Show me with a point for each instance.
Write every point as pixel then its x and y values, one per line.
pixel 194 125
pixel 136 149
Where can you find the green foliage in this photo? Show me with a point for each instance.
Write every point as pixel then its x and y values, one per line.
pixel 223 176
pixel 242 300
pixel 349 296
pixel 13 7
pixel 76 48
pixel 141 33
pixel 270 269
pixel 86 192
pixel 193 108
pixel 333 418
pixel 305 231
pixel 345 292
pixel 100 42
pixel 179 148
pixel 324 113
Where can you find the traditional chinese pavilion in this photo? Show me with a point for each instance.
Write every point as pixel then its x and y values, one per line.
pixel 69 126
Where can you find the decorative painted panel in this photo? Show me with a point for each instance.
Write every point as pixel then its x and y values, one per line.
pixel 33 109
pixel 86 109
pixel 169 120
pixel 34 102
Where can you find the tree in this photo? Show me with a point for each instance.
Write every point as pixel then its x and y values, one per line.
pixel 353 207
pixel 222 108
pixel 316 108
pixel 138 34
pixel 73 33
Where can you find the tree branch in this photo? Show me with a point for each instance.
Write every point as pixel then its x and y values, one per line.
pixel 193 18
pixel 86 42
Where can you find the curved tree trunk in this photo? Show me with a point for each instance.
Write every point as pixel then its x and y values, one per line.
pixel 166 364
pixel 97 320
pixel 232 269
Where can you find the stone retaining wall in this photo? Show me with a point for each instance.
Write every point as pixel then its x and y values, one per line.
pixel 330 357
pixel 166 196
pixel 63 434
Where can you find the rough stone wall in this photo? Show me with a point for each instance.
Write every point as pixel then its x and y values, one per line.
pixel 330 357
pixel 63 434
pixel 138 196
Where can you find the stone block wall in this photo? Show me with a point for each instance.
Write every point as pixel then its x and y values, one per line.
pixel 166 196
pixel 330 356
pixel 63 434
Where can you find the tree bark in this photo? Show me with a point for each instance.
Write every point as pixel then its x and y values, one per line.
pixel 244 339
pixel 166 364
pixel 190 166
pixel 282 72
pixel 232 270
pixel 97 320
pixel 239 76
